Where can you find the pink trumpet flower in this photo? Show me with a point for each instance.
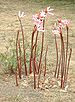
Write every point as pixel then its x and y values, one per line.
pixel 63 22
pixel 21 14
pixel 48 11
pixel 42 14
pixel 40 25
pixel 56 30
pixel 38 22
pixel 39 18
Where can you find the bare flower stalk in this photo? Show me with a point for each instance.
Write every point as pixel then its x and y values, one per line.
pixel 35 62
pixel 41 54
pixel 59 65
pixel 31 55
pixel 69 60
pixel 25 62
pixel 56 56
pixel 17 55
pixel 23 46
pixel 45 61
pixel 62 60
pixel 40 57
pixel 66 54
pixel 16 74
pixel 34 70
pixel 20 64
pixel 67 44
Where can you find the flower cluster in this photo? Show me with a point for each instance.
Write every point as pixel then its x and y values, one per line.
pixel 61 23
pixel 40 17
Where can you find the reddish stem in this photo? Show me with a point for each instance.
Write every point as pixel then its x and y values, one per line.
pixel 56 56
pixel 41 54
pixel 19 60
pixel 67 44
pixel 40 58
pixel 23 46
pixel 59 65
pixel 31 55
pixel 35 52
pixel 66 55
pixel 69 60
pixel 34 70
pixel 45 61
pixel 16 78
pixel 17 53
pixel 62 60
pixel 25 63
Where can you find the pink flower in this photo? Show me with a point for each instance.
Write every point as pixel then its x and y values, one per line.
pixel 39 18
pixel 42 15
pixel 48 10
pixel 39 23
pixel 56 30
pixel 35 17
pixel 64 22
pixel 21 14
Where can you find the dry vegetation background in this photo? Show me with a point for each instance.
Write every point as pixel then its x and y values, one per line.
pixel 9 25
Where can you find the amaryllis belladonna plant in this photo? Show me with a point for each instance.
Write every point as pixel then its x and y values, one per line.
pixel 39 24
pixel 63 57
